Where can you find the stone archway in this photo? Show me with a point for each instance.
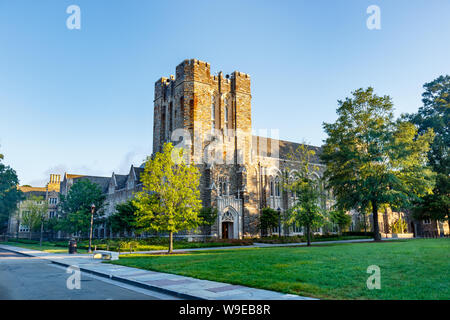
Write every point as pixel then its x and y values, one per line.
pixel 229 224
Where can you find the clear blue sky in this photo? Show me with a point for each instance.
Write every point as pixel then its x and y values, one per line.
pixel 82 100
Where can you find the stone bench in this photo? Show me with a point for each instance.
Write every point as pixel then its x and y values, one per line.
pixel 106 255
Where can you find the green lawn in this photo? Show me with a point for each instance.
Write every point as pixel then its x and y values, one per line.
pixel 410 269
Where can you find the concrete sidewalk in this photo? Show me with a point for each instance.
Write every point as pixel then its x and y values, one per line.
pixel 180 286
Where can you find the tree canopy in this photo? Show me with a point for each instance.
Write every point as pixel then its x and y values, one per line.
pixel 76 206
pixel 10 195
pixel 124 218
pixel 371 159
pixel 435 115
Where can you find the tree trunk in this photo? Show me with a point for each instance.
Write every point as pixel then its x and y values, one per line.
pixel 42 233
pixel 376 227
pixel 308 235
pixel 170 242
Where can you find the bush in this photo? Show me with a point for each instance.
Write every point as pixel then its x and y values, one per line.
pixel 357 233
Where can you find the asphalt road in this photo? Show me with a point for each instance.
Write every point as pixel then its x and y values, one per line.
pixel 27 278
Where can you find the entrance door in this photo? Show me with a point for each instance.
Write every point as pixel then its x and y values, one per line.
pixel 227 230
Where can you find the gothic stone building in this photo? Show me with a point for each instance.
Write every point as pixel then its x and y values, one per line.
pixel 210 117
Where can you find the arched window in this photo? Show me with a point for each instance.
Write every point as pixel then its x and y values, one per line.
pixel 271 187
pixel 222 186
pixel 213 113
pixel 277 187
pixel 226 112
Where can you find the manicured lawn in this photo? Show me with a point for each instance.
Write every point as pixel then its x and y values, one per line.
pixel 410 269
pixel 46 247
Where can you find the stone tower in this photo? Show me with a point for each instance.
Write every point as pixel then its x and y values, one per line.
pixel 210 117
pixel 202 103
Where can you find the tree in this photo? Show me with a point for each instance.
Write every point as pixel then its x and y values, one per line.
pixel 372 159
pixel 34 214
pixel 76 206
pixel 124 218
pixel 269 219
pixel 306 210
pixel 208 217
pixel 340 218
pixel 10 195
pixel 435 114
pixel 170 197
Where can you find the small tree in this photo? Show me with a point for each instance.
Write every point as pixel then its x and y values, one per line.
pixel 306 210
pixel 399 226
pixel 170 197
pixel 208 217
pixel 269 219
pixel 35 214
pixel 340 218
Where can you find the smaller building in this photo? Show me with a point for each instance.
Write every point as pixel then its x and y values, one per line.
pixel 49 193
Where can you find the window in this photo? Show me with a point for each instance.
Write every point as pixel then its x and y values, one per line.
pixel 271 188
pixel 226 112
pixel 23 228
pixel 223 186
pixel 427 221
pixel 52 214
pixel 53 200
pixel 277 187
pixel 213 109
pixel 170 117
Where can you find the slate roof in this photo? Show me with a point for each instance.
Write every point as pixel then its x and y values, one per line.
pixel 103 182
pixel 138 171
pixel 121 179
pixel 287 147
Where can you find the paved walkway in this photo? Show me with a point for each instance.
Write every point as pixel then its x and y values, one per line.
pixel 183 287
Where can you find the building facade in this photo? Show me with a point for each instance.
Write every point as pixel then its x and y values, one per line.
pixel 49 193
pixel 209 116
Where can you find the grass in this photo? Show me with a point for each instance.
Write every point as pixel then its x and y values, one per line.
pixel 410 269
pixel 46 247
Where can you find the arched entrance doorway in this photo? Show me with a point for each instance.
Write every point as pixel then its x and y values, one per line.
pixel 227 225
pixel 413 230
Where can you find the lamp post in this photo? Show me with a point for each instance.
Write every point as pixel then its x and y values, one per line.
pixel 279 221
pixel 92 223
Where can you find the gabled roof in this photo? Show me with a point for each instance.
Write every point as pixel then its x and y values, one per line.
pixel 121 180
pixel 103 182
pixel 138 171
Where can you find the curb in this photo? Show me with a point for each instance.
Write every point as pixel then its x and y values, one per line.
pixel 123 280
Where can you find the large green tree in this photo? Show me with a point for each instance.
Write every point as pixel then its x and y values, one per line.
pixel 10 195
pixel 124 218
pixel 170 197
pixel 435 114
pixel 76 206
pixel 374 160
pixel 305 184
